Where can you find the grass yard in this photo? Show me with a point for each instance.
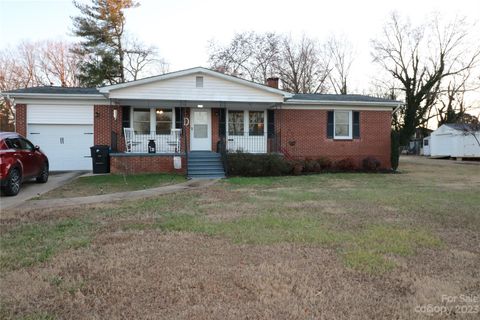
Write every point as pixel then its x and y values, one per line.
pixel 110 183
pixel 330 246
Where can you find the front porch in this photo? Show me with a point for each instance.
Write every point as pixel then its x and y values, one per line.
pixel 193 110
pixel 172 128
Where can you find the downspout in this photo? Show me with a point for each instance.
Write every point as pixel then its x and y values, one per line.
pixel 397 108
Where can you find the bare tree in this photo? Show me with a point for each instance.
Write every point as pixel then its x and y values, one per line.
pixel 38 63
pixel 35 64
pixel 340 54
pixel 256 57
pixel 249 55
pixel 141 60
pixel 58 63
pixel 420 59
pixel 300 66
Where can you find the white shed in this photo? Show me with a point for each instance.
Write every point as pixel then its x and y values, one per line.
pixel 455 140
pixel 426 146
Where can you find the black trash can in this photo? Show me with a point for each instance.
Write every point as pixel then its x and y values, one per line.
pixel 100 158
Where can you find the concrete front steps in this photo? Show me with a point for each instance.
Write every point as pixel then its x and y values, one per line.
pixel 205 165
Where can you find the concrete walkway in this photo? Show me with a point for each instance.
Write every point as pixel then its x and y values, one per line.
pixel 32 189
pixel 112 197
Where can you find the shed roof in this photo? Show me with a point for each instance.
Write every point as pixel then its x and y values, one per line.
pixel 462 126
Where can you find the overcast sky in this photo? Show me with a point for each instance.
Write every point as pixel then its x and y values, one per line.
pixel 181 29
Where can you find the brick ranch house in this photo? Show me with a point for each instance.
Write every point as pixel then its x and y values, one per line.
pixel 186 114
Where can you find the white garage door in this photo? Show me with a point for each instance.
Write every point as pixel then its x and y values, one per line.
pixel 64 133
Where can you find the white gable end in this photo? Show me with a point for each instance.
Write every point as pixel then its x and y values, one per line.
pixel 185 88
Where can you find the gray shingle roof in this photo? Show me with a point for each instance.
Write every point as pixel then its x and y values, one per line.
pixel 56 90
pixel 339 97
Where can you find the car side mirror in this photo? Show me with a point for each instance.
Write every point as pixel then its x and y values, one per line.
pixel 37 148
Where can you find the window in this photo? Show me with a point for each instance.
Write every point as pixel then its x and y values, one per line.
pixel 19 144
pixel 163 119
pixel 343 125
pixel 199 82
pixel 256 123
pixel 235 123
pixel 146 121
pixel 26 145
pixel 425 142
pixel 141 121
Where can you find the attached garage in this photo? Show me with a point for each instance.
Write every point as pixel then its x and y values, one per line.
pixel 64 133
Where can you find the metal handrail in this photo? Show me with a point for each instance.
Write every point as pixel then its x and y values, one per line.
pixel 223 153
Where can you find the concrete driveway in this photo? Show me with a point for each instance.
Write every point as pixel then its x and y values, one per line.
pixel 32 189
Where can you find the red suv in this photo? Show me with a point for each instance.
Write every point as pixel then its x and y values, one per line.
pixel 20 160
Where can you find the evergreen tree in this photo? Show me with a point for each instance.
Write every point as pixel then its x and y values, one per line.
pixel 101 25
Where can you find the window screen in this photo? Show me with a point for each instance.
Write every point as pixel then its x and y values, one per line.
pixel 199 82
pixel 256 123
pixel 235 123
pixel 163 118
pixel 141 121
pixel 342 123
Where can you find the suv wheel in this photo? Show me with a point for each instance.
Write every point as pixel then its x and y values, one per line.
pixel 43 176
pixel 14 182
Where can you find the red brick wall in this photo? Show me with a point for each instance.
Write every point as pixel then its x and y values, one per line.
pixel 21 119
pixel 144 164
pixel 104 124
pixel 308 129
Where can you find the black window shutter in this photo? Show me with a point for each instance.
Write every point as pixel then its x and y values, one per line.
pixel 330 124
pixel 222 122
pixel 178 118
pixel 270 123
pixel 356 125
pixel 125 117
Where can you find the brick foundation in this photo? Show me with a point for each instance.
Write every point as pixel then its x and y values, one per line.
pixel 129 164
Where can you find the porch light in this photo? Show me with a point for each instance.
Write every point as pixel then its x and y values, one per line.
pixel 200 106
pixel 159 111
pixel 115 114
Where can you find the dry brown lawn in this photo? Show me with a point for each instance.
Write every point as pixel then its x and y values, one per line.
pixel 332 246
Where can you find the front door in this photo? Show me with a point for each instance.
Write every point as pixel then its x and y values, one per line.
pixel 200 132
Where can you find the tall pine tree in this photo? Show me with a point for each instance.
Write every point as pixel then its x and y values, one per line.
pixel 101 25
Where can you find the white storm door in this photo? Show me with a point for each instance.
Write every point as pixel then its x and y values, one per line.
pixel 200 130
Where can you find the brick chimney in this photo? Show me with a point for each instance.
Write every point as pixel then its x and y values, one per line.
pixel 272 82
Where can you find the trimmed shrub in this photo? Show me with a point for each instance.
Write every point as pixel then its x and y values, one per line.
pixel 325 163
pixel 311 165
pixel 257 165
pixel 347 164
pixel 297 168
pixel 371 164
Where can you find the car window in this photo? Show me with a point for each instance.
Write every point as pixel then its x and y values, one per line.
pixel 19 144
pixel 26 145
pixel 9 143
pixel 13 143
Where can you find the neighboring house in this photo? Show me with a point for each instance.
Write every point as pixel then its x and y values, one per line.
pixel 455 140
pixel 193 110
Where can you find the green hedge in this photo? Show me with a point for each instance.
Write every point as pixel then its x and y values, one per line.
pixel 257 165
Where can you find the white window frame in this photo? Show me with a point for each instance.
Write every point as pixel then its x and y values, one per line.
pixel 350 125
pixel 227 123
pixel 246 123
pixel 153 118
